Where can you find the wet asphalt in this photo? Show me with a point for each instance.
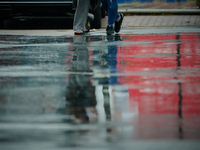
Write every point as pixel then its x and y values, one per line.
pixel 139 89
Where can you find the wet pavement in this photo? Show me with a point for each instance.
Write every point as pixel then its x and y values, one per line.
pixel 139 89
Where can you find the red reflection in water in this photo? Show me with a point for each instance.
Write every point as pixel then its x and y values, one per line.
pixel 164 85
pixel 175 88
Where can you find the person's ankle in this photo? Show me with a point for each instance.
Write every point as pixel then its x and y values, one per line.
pixel 110 25
pixel 118 19
pixel 88 23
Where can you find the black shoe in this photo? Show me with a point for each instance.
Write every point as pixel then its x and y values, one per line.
pixel 118 24
pixel 110 30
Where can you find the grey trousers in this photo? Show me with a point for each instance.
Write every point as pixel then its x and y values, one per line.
pixel 81 14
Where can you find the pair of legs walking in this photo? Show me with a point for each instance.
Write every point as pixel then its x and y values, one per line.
pixel 114 19
pixel 82 17
pixel 110 6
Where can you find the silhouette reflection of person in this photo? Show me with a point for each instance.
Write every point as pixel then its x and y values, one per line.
pixel 109 61
pixel 80 94
pixel 112 57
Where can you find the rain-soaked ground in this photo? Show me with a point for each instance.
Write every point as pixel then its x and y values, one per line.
pixel 136 90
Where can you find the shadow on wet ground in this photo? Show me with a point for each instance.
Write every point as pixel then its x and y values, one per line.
pixel 122 91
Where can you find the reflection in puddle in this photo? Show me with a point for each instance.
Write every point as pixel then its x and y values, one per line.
pixel 86 91
pixel 80 93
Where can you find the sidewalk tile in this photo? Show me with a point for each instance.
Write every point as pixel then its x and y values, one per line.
pixel 158 21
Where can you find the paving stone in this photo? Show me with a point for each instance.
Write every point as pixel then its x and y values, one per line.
pixel 160 20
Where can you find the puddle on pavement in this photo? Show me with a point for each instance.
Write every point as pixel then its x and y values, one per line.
pixel 96 91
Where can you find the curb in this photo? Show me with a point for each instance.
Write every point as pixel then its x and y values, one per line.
pixel 160 11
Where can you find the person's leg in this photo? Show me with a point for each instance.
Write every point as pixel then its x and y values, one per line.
pixel 81 14
pixel 111 7
pixel 105 5
pixel 90 18
pixel 112 11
